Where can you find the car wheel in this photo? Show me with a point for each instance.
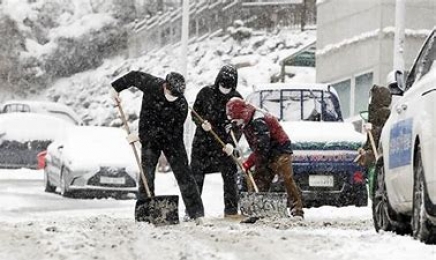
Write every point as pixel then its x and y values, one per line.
pixel 422 228
pixel 380 205
pixel 63 183
pixel 48 187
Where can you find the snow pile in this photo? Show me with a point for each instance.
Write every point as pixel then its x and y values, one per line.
pixel 88 92
pixel 90 22
pixel 39 225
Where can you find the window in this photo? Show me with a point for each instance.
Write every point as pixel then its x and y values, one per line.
pixel 64 116
pixel 16 108
pixel 361 92
pixel 424 62
pixel 298 104
pixel 344 92
pixel 429 57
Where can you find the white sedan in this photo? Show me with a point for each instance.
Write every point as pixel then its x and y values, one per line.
pixel 405 198
pixel 91 158
pixel 24 135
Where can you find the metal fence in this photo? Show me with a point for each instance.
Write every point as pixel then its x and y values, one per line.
pixel 211 17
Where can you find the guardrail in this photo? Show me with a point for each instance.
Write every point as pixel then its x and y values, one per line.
pixel 208 17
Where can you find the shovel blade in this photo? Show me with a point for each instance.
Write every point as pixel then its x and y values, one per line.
pixel 264 204
pixel 158 210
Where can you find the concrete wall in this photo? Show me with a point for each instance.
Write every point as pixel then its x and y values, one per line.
pixel 357 36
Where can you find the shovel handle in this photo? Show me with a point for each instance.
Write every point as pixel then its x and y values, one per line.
pixel 357 158
pixel 371 140
pixel 248 173
pixel 138 160
pixel 211 130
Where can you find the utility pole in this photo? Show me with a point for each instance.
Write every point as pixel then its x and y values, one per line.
pixel 185 38
pixel 399 38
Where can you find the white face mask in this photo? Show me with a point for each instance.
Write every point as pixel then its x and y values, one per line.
pixel 225 91
pixel 170 97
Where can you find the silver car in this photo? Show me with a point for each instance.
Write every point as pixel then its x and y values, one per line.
pixel 91 158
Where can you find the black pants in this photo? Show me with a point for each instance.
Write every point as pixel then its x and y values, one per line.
pixel 178 160
pixel 201 165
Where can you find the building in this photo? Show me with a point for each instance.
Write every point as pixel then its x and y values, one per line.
pixel 355 41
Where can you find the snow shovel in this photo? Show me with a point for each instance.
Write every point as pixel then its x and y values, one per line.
pixel 371 168
pixel 261 204
pixel 255 204
pixel 157 210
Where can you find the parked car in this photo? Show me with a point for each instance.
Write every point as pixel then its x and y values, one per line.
pixel 52 108
pixel 91 158
pixel 24 135
pixel 405 197
pixel 324 146
pixel 40 157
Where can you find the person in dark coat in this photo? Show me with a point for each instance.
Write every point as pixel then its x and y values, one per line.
pixel 378 112
pixel 207 154
pixel 271 149
pixel 161 124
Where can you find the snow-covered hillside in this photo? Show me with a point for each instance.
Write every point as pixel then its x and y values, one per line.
pixel 257 58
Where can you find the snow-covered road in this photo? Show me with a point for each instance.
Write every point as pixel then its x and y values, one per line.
pixel 37 225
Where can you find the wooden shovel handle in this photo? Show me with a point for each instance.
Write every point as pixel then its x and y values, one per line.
pixel 138 160
pixel 239 163
pixel 373 146
pixel 247 172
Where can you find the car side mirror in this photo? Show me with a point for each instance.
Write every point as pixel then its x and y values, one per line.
pixel 395 82
pixel 399 77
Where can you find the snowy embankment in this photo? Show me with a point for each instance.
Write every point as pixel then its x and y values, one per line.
pixel 257 60
pixel 84 231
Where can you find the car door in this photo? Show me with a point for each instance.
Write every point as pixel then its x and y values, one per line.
pixel 407 118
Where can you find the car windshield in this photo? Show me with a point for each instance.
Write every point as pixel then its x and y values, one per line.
pixel 64 116
pixel 296 105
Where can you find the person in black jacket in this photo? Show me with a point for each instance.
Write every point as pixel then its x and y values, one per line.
pixel 207 154
pixel 163 113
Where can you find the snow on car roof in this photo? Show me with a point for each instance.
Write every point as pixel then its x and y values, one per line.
pixel 91 146
pixel 96 134
pixel 280 86
pixel 24 127
pixel 39 106
pixel 43 104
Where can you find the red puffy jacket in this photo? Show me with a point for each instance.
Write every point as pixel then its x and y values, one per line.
pixel 266 139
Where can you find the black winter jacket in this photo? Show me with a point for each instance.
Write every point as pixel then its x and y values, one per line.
pixel 159 119
pixel 210 104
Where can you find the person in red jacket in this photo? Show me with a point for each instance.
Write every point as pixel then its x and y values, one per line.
pixel 271 149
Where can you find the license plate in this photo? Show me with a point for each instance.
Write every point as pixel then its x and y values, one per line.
pixel 109 180
pixel 321 180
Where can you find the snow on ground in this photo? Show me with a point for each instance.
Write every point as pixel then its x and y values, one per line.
pixel 90 232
